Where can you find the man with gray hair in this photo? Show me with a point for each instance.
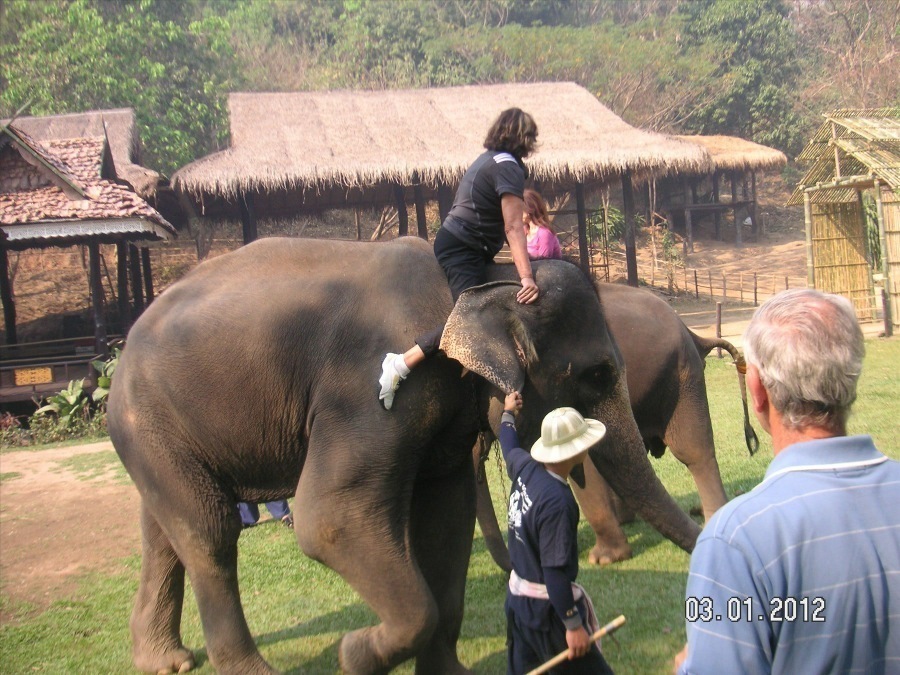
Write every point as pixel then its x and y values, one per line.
pixel 802 574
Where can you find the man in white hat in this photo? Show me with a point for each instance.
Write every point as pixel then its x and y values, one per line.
pixel 546 611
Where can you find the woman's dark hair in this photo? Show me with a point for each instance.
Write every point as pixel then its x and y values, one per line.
pixel 536 208
pixel 514 131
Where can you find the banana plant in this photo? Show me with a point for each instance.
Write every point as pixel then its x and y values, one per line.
pixel 69 405
pixel 105 371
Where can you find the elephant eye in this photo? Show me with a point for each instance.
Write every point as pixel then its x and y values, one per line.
pixel 601 377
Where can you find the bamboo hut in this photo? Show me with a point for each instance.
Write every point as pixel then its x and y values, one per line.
pixel 305 151
pixel 854 153
pixel 66 192
pixel 734 160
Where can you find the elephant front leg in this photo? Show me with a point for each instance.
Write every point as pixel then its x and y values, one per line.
pixel 443 524
pixel 363 535
pixel 597 505
pixel 156 619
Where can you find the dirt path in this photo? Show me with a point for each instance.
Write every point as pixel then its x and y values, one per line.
pixel 56 523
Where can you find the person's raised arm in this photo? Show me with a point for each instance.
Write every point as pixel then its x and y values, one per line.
pixel 513 207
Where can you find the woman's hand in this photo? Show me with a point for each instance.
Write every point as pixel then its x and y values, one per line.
pixel 529 292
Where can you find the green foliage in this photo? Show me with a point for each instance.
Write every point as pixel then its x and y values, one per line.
pixel 873 236
pixel 171 66
pixel 751 91
pixel 105 371
pixel 70 405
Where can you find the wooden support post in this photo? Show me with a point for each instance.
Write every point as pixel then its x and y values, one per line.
pixel 810 266
pixel 689 193
pixel 738 236
pixel 402 215
pixel 885 261
pixel 754 227
pixel 724 288
pixel 419 199
pixel 97 303
pixel 717 215
pixel 630 248
pixel 709 272
pixel 696 286
pixel 583 257
pixel 148 273
pixel 755 288
pixel 719 326
pixel 6 294
pixel 122 284
pixel 134 265
pixel 741 284
pixel 248 217
pixel 445 200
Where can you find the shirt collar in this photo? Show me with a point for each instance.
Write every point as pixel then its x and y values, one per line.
pixel 828 453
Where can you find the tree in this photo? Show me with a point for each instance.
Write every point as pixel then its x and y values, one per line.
pixel 756 70
pixel 168 62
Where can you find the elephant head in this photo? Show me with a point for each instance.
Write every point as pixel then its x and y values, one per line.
pixel 559 352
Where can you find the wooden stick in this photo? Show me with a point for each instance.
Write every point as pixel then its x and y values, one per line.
pixel 612 626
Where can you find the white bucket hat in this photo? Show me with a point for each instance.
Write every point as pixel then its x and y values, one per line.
pixel 565 434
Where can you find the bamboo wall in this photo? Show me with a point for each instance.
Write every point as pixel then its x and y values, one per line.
pixel 891 209
pixel 839 255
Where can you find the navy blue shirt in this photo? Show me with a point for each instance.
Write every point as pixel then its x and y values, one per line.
pixel 476 217
pixel 543 525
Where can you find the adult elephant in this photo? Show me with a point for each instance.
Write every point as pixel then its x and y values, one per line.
pixel 664 370
pixel 251 380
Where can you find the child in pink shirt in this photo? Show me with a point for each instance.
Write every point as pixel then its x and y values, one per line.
pixel 541 239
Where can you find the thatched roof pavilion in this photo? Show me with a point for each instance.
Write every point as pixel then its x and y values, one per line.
pixel 293 152
pixel 319 142
pixel 732 158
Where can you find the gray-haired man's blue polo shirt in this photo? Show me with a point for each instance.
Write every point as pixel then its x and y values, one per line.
pixel 802 574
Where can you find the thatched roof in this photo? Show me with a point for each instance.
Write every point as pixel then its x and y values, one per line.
pixel 117 125
pixel 730 153
pixel 317 141
pixel 867 147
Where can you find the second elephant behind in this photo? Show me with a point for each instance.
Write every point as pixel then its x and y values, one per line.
pixel 664 368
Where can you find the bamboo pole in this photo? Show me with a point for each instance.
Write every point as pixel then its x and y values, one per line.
pixel 810 267
pixel 611 627
pixel 885 260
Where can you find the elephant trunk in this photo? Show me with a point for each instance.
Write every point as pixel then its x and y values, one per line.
pixel 621 459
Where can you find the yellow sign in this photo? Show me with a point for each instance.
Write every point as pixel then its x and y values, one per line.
pixel 33 376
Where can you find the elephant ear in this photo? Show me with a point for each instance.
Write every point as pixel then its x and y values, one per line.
pixel 486 335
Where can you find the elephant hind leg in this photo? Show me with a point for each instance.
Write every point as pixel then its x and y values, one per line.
pixel 156 619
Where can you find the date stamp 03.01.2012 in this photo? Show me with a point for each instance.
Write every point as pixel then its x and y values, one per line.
pixel 704 610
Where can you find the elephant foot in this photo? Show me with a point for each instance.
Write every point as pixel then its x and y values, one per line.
pixel 607 555
pixel 357 653
pixel 178 660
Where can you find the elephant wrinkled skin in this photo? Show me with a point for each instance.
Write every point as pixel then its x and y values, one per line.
pixel 254 379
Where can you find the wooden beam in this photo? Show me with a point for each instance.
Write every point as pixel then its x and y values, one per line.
pixel 445 200
pixel 583 257
pixel 248 217
pixel 402 215
pixel 137 288
pixel 122 285
pixel 628 212
pixel 419 199
pixel 717 216
pixel 737 222
pixel 148 273
pixel 810 265
pixel 6 295
pixel 97 302
pixel 690 198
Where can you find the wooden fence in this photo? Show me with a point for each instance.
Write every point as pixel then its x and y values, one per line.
pixel 750 287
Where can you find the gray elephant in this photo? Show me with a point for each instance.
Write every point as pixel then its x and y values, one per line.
pixel 664 370
pixel 289 333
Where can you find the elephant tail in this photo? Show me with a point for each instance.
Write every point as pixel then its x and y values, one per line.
pixel 704 347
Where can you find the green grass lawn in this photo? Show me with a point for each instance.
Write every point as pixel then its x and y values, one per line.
pixel 298 610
